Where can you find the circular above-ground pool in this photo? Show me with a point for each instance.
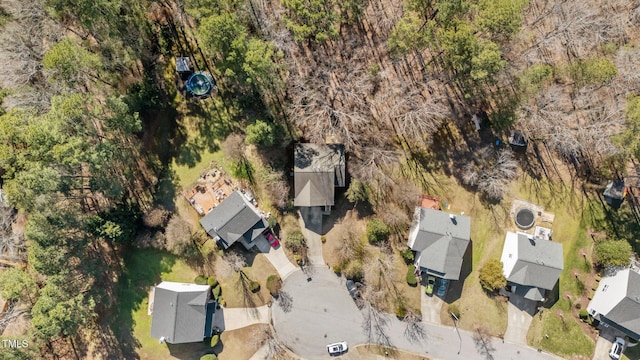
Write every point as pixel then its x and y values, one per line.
pixel 200 83
pixel 525 218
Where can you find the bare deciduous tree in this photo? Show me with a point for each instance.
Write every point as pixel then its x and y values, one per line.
pixel 376 322
pixel 264 336
pixel 233 147
pixel 179 235
pixel 482 339
pixel 414 329
pixel 491 173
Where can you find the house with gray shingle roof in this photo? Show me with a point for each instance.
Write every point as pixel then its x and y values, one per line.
pixel 616 302
pixel 440 240
pixel 531 264
pixel 182 313
pixel 318 170
pixel 235 219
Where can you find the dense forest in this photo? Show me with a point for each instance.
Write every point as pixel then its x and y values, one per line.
pixel 93 115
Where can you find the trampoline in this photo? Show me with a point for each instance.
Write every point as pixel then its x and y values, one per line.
pixel 525 218
pixel 200 84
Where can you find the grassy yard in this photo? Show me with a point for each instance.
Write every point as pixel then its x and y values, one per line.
pixel 565 336
pixel 259 271
pixel 145 268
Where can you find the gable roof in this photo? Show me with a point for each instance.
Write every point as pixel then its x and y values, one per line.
pixel 179 312
pixel 318 169
pixel 442 240
pixel 531 262
pixel 234 218
pixel 617 301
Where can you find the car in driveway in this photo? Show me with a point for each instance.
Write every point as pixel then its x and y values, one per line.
pixel 431 282
pixel 337 348
pixel 617 348
pixel 442 288
pixel 353 289
pixel 272 239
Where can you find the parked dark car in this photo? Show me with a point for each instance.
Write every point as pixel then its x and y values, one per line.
pixel 353 289
pixel 442 288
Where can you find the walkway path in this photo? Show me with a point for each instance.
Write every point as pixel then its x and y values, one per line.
pixel 228 319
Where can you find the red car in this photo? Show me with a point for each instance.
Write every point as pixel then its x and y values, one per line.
pixel 273 240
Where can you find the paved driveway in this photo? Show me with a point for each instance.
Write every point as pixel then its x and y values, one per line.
pixel 321 312
pixel 311 224
pixel 430 307
pixel 235 318
pixel 521 313
pixel 276 257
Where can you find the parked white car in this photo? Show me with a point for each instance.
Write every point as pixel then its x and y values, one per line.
pixel 617 348
pixel 337 348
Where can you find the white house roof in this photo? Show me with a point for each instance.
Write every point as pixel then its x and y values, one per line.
pixel 617 299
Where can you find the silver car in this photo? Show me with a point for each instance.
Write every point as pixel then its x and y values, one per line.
pixel 617 348
pixel 337 348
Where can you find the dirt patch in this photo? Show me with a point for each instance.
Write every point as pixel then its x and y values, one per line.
pixel 369 352
pixel 349 225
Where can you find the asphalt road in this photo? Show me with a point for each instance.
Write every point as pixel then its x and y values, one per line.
pixel 322 312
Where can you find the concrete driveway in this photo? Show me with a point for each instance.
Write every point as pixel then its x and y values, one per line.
pixel 276 257
pixel 430 307
pixel 311 225
pixel 321 312
pixel 235 318
pixel 521 313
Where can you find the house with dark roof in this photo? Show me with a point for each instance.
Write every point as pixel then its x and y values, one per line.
pixel 440 240
pixel 181 312
pixel 532 265
pixel 616 302
pixel 318 170
pixel 235 219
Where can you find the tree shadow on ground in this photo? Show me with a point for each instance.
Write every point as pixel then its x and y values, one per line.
pixel 142 269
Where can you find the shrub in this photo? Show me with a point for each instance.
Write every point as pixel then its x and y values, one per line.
pixel 612 253
pixel 216 291
pixel 377 231
pixel 274 284
pixel 491 276
pixel 354 270
pixel 272 221
pixel 596 71
pixel 337 269
pixel 401 311
pixel 323 239
pixel 212 281
pixel 260 133
pixel 200 280
pixel 254 286
pixel 411 276
pixel 454 309
pixel 214 340
pixel 209 357
pixel 583 314
pixel 578 306
pixel 296 241
pixel 407 255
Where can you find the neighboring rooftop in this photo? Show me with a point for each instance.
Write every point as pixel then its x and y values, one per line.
pixel 617 302
pixel 235 219
pixel 181 312
pixel 441 240
pixel 318 169
pixel 531 263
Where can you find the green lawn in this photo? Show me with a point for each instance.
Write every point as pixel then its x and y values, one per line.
pixel 565 336
pixel 144 268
